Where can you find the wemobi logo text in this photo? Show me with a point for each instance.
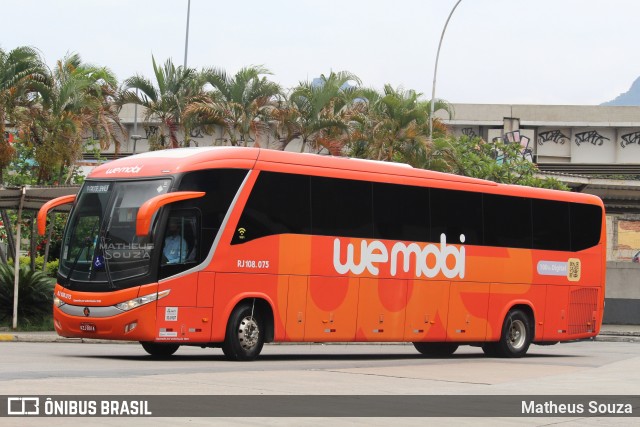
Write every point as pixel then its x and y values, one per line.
pixel 127 169
pixel 428 260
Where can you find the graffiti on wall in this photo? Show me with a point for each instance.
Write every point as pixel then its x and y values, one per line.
pixel 196 132
pixel 150 131
pixel 591 136
pixel 469 132
pixel 552 135
pixel 516 138
pixel 630 138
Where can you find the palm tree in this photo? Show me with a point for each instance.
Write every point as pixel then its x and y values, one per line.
pixel 166 101
pixel 242 104
pixel 22 72
pixel 318 112
pixel 78 100
pixel 392 126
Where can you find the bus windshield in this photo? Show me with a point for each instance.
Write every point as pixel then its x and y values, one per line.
pixel 100 246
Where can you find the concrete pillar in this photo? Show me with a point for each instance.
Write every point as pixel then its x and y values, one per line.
pixel 511 124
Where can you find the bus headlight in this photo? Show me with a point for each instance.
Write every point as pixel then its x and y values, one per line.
pixel 57 301
pixel 137 302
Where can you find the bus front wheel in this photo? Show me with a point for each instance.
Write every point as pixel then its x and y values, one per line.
pixel 159 350
pixel 436 349
pixel 245 334
pixel 515 338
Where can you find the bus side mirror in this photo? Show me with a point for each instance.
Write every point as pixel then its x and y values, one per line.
pixel 151 206
pixel 50 205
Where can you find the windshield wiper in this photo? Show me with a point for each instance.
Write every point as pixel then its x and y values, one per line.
pixel 107 271
pixel 77 258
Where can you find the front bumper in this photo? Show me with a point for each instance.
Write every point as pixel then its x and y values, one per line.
pixel 137 324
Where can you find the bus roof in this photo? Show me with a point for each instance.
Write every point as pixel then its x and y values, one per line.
pixel 163 162
pixel 172 161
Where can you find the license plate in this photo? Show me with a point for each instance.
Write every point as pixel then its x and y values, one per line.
pixel 88 327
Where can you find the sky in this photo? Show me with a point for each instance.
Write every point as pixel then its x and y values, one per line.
pixel 559 52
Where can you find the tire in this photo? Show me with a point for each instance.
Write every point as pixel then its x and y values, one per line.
pixel 436 349
pixel 245 334
pixel 516 336
pixel 159 350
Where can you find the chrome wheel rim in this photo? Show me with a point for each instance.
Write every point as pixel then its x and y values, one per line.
pixel 248 333
pixel 517 334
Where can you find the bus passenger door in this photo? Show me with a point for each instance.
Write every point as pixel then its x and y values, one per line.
pixel 427 310
pixel 468 309
pixel 185 314
pixel 381 310
pixel 332 309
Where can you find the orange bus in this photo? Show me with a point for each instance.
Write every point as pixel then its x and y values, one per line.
pixel 234 247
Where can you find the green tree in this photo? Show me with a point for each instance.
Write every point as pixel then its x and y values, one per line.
pixel 392 126
pixel 166 101
pixel 77 102
pixel 494 161
pixel 318 113
pixel 242 104
pixel 22 73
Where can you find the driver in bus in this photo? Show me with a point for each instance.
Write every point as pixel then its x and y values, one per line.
pixel 175 247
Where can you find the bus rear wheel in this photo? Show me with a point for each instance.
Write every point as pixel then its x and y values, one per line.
pixel 245 334
pixel 515 338
pixel 436 349
pixel 159 350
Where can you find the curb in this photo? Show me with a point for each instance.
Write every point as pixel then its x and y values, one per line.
pixel 618 338
pixel 55 339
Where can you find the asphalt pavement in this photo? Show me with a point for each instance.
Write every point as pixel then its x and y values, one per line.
pixel 611 333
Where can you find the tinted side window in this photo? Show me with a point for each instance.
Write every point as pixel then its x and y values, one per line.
pixel 454 213
pixel 400 212
pixel 341 207
pixel 551 229
pixel 279 203
pixel 507 221
pixel 221 186
pixel 586 226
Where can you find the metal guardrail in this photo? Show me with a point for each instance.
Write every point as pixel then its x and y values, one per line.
pixel 591 169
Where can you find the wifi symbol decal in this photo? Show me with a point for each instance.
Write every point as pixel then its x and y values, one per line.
pixel 241 232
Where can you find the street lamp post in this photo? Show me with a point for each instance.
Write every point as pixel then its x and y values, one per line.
pixel 135 138
pixel 435 71
pixel 135 135
pixel 186 39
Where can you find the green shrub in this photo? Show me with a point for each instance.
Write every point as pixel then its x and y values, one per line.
pixel 52 266
pixel 35 295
